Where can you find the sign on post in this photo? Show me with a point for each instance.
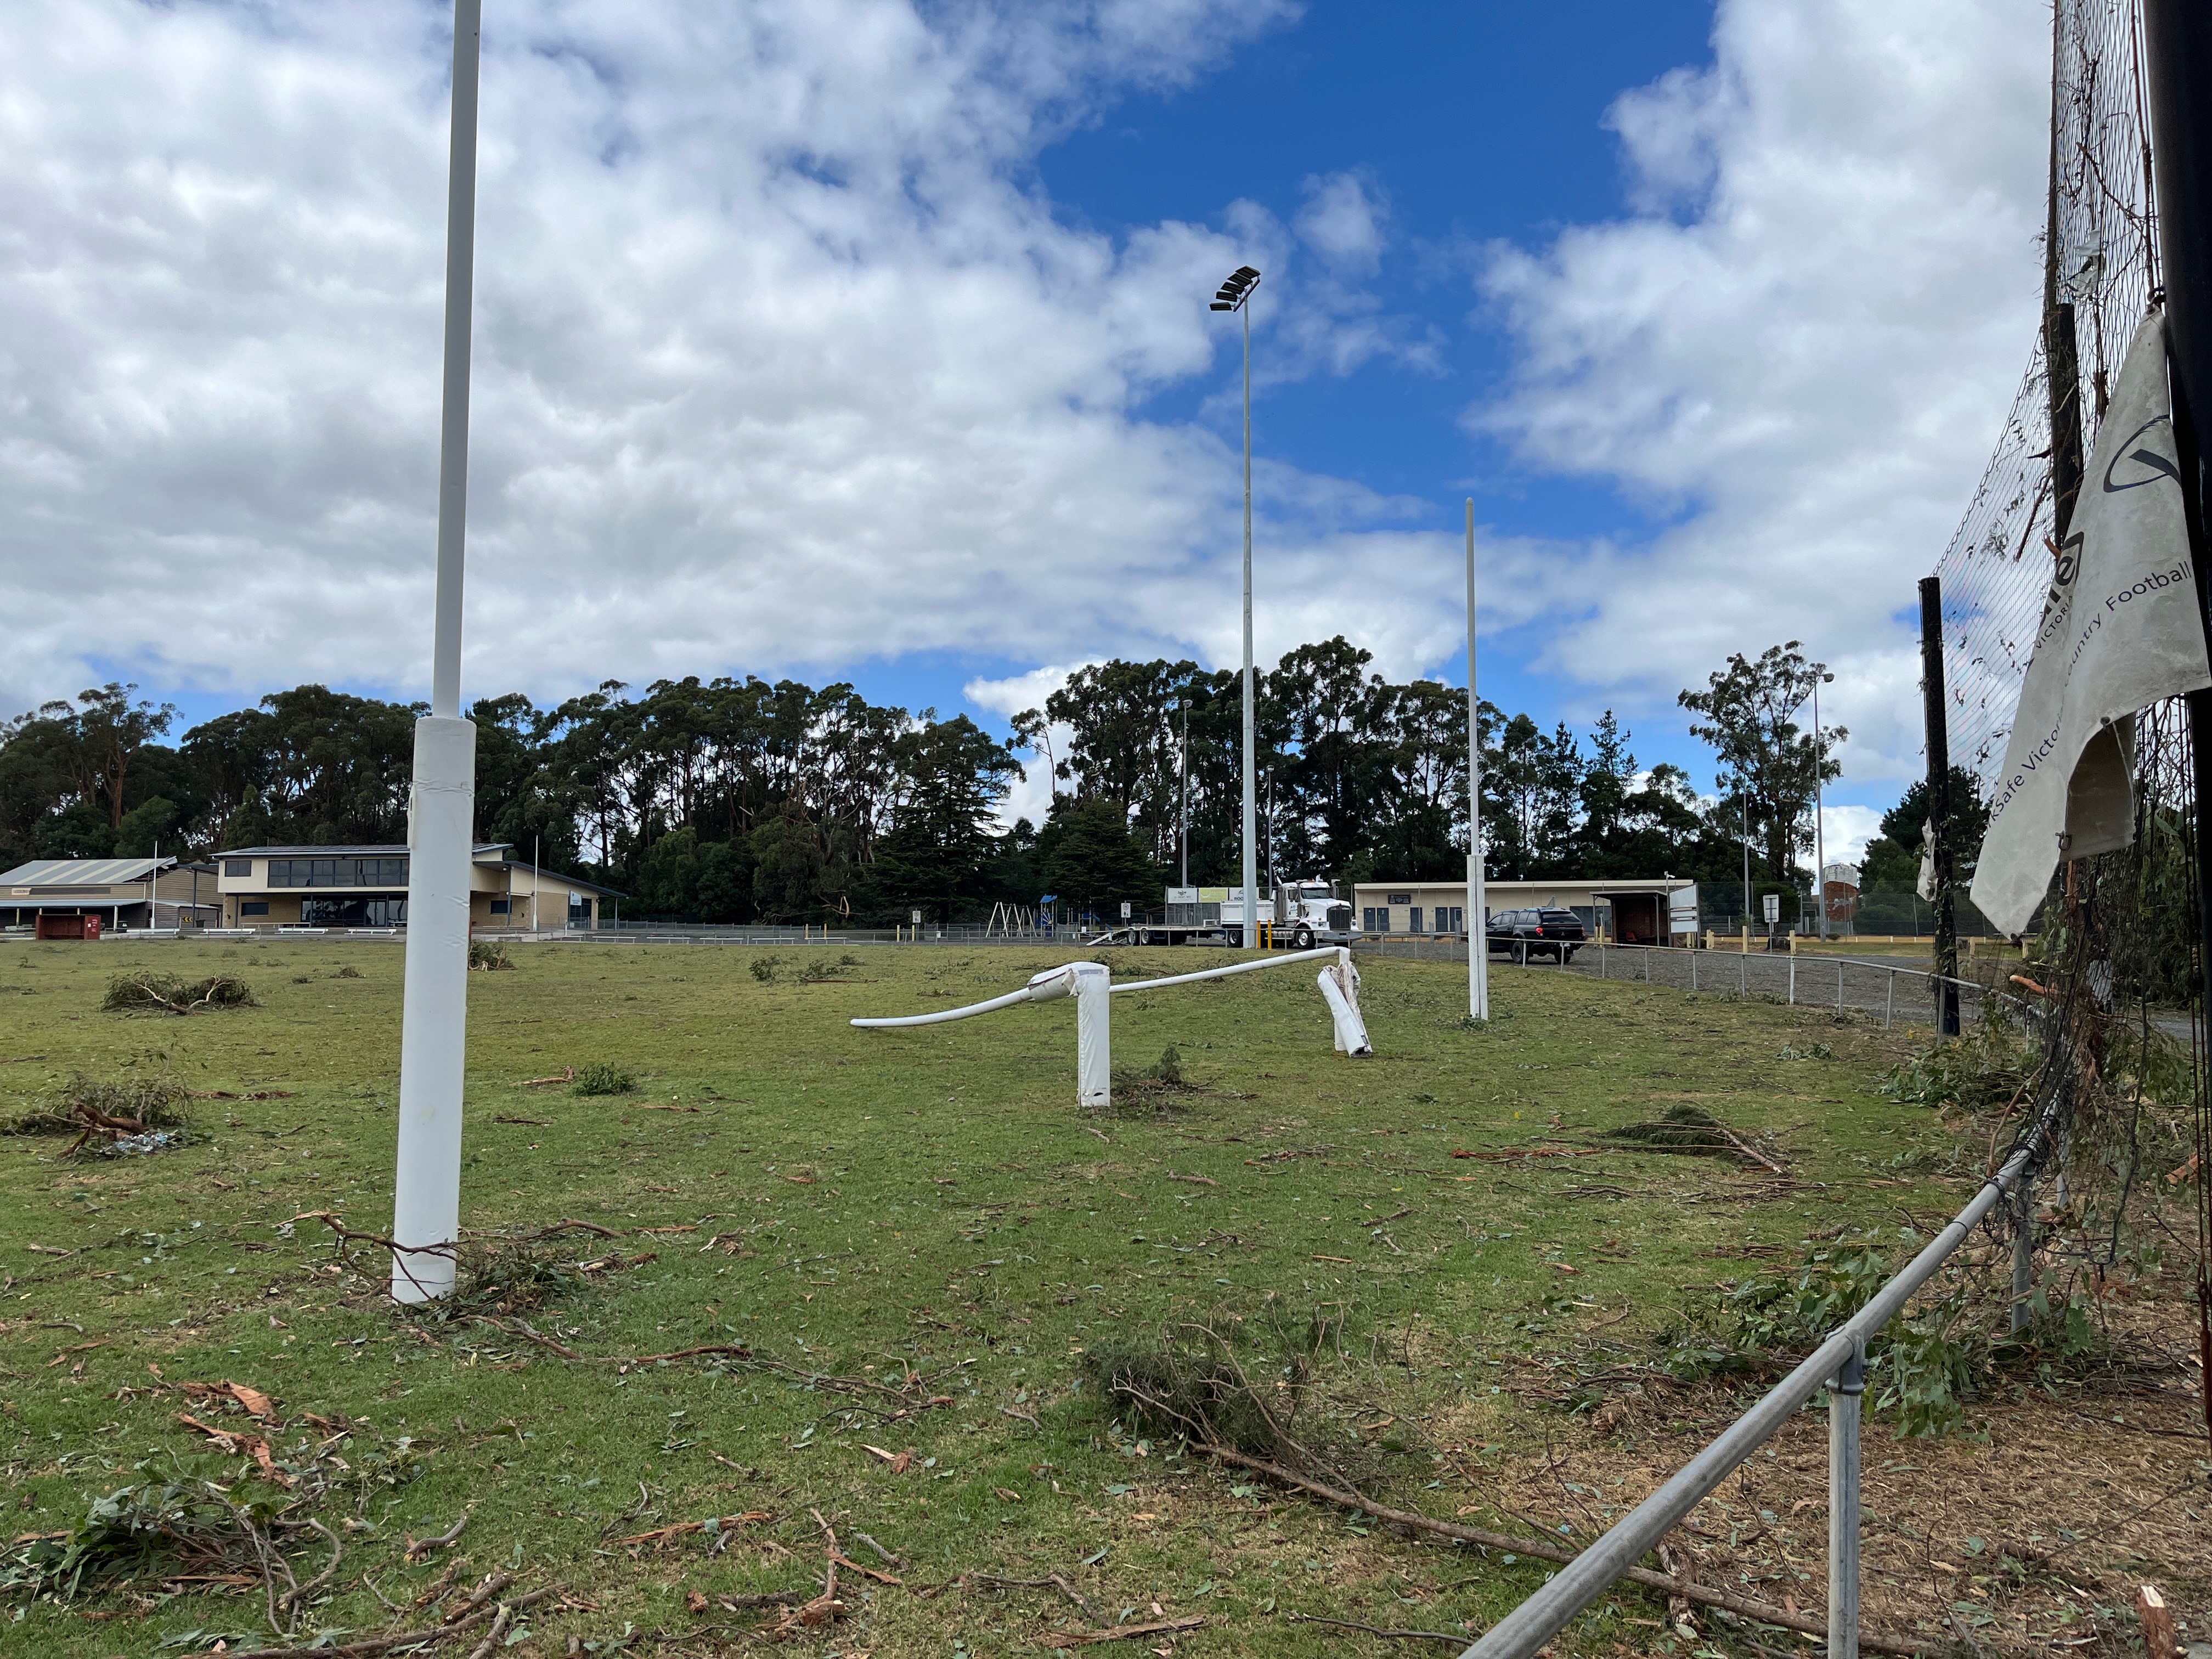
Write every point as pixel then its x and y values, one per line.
pixel 915 916
pixel 1125 909
pixel 1773 903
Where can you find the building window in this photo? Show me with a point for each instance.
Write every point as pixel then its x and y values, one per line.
pixel 254 907
pixel 1374 920
pixel 1414 926
pixel 580 910
pixel 238 867
pixel 371 910
pixel 337 872
pixel 501 907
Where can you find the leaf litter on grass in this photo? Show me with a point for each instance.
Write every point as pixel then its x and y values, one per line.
pixel 1061 1262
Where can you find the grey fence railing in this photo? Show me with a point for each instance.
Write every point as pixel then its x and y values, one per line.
pixel 1839 1365
pixel 1846 984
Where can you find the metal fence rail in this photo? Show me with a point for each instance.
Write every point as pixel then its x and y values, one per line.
pixel 1839 1364
pixel 1846 984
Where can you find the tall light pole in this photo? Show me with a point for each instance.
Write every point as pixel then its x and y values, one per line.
pixel 1234 294
pixel 1819 842
pixel 440 812
pixel 1478 934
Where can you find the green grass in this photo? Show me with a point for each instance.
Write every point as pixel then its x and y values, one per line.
pixel 929 1199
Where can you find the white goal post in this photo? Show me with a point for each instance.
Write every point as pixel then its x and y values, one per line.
pixel 1091 985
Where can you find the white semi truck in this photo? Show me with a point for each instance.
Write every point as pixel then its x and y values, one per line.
pixel 1296 916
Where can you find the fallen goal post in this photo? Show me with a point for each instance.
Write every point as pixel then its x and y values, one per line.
pixel 1091 985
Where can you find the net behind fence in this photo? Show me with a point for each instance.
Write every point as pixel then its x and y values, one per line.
pixel 2101 261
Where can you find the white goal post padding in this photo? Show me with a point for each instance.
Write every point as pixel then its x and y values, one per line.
pixel 1091 985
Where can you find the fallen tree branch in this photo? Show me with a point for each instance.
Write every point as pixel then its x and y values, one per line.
pixel 434 1634
pixel 1122 1633
pixel 1459 1639
pixel 1051 1581
pixel 422 1546
pixel 1743 1606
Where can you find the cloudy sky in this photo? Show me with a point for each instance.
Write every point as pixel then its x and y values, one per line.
pixel 867 339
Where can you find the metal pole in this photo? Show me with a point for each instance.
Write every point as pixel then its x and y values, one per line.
pixel 1251 935
pixel 1478 900
pixel 1889 1006
pixel 1845 1394
pixel 2023 1255
pixel 1793 979
pixel 1743 796
pixel 1184 769
pixel 2179 37
pixel 1937 716
pixel 1839 989
pixel 434 1014
pixel 1820 839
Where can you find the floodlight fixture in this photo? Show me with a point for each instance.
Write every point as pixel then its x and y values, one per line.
pixel 1233 293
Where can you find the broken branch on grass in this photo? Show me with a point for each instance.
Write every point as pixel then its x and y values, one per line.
pixel 889 1560
pixel 429 1637
pixel 1456 1638
pixel 1122 1633
pixel 419 1547
pixel 722 1523
pixel 1050 1581
pixel 1743 1606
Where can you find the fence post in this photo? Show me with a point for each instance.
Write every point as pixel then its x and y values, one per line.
pixel 1743 977
pixel 1839 990
pixel 1845 1394
pixel 2023 1255
pixel 1889 1007
pixel 1793 978
pixel 1647 964
pixel 1693 968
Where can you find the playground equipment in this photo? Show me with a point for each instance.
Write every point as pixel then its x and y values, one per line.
pixel 1091 985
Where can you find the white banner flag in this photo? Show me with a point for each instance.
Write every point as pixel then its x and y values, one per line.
pixel 2122 628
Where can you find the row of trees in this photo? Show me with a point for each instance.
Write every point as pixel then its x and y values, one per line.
pixel 733 799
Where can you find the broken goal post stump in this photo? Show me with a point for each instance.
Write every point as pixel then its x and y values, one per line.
pixel 1091 985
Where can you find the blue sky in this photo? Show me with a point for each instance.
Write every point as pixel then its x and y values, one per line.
pixel 843 339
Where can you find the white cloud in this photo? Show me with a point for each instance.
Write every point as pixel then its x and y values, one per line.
pixel 1801 343
pixel 1847 829
pixel 780 360
pixel 1340 221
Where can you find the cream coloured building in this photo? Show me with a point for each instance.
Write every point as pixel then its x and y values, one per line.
pixel 1625 912
pixel 367 887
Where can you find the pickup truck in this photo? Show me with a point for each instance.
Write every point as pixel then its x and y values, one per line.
pixel 1524 934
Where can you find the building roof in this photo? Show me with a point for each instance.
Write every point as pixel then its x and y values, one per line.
pixel 394 851
pixel 82 872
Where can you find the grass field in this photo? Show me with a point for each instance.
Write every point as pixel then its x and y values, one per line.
pixel 920 1241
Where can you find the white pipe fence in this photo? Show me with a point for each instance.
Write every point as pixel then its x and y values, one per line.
pixel 1091 985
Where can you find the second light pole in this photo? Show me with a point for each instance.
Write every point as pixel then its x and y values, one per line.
pixel 1233 295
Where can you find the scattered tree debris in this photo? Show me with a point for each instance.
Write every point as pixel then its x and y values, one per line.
pixel 1691 1130
pixel 146 992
